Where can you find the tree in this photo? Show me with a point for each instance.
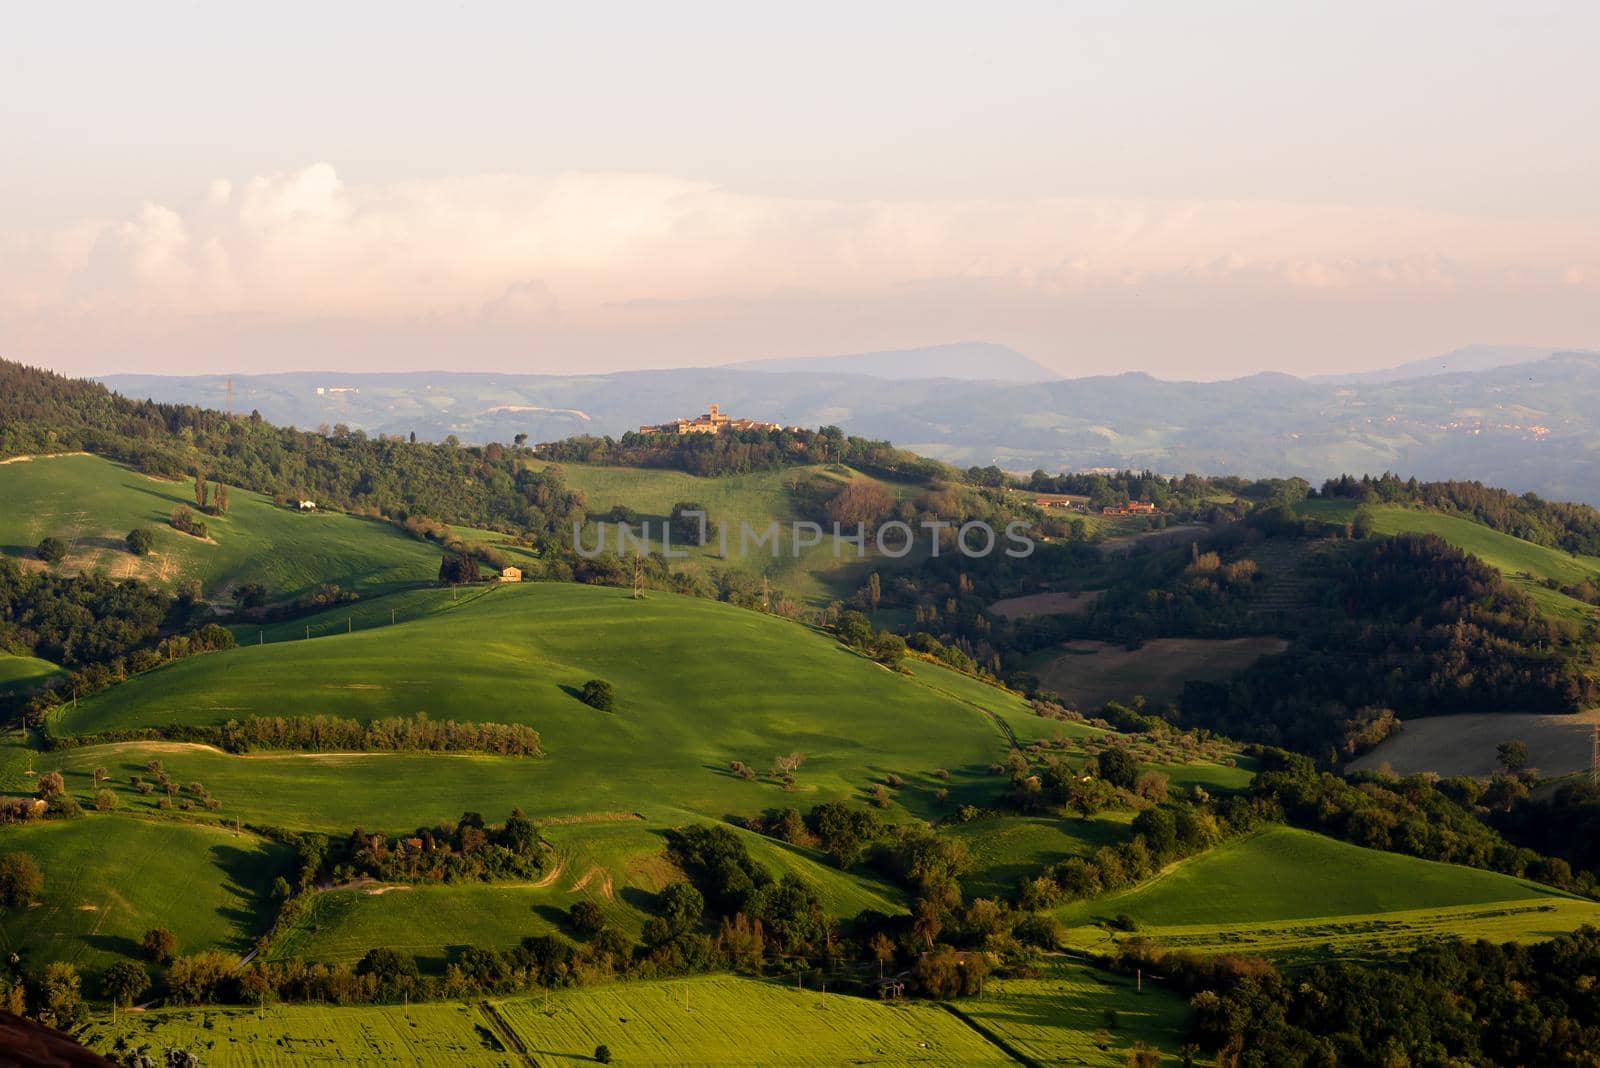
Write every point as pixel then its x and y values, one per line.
pixel 602 1053
pixel 682 907
pixel 105 801
pixel 20 880
pixel 158 944
pixel 124 981
pixel 1513 754
pixel 1118 768
pixel 201 490
pixel 691 524
pixel 61 995
pixel 597 693
pixel 250 595
pixel 456 568
pixel 52 784
pixel 52 550
pixel 587 917
pixel 140 540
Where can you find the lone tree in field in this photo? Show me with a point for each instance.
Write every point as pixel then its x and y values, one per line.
pixel 602 1053
pixel 587 917
pixel 20 880
pixel 140 541
pixel 159 945
pixel 597 693
pixel 124 981
pixel 1118 768
pixel 52 550
pixel 1513 755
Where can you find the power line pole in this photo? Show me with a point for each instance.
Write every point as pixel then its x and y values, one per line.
pixel 1594 754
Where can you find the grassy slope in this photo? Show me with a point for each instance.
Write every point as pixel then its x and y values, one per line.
pixel 1325 890
pixel 109 878
pixel 1053 1019
pixel 757 499
pixel 92 503
pixel 703 1020
pixel 25 672
pixel 1523 562
pixel 698 684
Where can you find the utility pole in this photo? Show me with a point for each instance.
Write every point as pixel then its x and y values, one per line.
pixel 1594 753
pixel 349 624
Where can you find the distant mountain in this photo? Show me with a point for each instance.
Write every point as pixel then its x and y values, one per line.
pixel 1532 426
pixel 977 361
pixel 1468 359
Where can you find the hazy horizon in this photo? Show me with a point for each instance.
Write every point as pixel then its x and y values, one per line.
pixel 1196 195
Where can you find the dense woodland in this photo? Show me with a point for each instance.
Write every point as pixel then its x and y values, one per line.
pixel 1407 622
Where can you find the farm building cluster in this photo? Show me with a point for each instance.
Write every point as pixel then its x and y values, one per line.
pixel 1080 504
pixel 711 422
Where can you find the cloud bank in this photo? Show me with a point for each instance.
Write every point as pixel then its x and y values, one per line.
pixel 576 272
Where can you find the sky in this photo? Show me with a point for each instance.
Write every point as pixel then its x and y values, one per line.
pixel 1194 190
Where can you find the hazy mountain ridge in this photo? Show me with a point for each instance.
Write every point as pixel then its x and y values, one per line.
pixel 977 361
pixel 1526 426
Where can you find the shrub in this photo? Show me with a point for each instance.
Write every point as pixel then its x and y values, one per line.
pixel 52 550
pixel 602 1053
pixel 597 693
pixel 20 880
pixel 105 801
pixel 158 944
pixel 140 541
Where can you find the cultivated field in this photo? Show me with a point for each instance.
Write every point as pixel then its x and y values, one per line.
pixel 1044 604
pixel 1089 674
pixel 1465 745
pixel 1062 1016
pixel 108 879
pixel 1295 893
pixel 92 504
pixel 715 1020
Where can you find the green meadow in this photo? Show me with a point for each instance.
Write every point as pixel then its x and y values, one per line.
pixel 706 1020
pixel 1074 1014
pixel 26 673
pixel 817 576
pixel 698 684
pixel 110 878
pixel 1324 891
pixel 92 504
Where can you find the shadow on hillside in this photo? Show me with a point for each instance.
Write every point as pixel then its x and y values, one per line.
pixel 118 944
pixel 247 872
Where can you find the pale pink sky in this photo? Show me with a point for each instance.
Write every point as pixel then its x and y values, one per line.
pixel 519 188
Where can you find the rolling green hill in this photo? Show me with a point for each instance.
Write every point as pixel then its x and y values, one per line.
pixel 109 878
pixel 92 504
pixel 1286 891
pixel 685 706
pixel 22 674
pixel 816 576
pixel 1522 562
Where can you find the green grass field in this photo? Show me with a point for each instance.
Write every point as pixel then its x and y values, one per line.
pixel 698 684
pixel 110 878
pixel 1059 1017
pixel 1523 562
pixel 24 674
pixel 92 503
pixel 1291 890
pixel 816 577
pixel 716 1020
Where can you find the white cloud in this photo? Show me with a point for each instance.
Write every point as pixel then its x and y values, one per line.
pixel 574 259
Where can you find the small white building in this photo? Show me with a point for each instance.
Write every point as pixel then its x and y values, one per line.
pixel 308 506
pixel 511 574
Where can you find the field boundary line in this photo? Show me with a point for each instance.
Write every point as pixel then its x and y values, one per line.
pixel 990 1037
